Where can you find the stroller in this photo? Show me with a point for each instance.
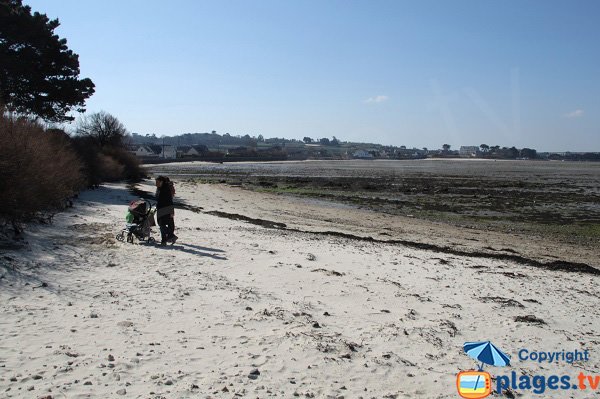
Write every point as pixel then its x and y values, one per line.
pixel 140 219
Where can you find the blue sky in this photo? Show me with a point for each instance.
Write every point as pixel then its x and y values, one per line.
pixel 414 73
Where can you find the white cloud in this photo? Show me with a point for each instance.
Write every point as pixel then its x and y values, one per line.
pixel 377 99
pixel 578 113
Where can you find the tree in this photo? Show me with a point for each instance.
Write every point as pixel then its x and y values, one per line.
pixel 324 141
pixel 103 128
pixel 100 142
pixel 529 153
pixel 484 147
pixel 307 140
pixel 446 147
pixel 39 75
pixel 335 141
pixel 512 153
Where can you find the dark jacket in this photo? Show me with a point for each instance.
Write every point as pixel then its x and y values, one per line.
pixel 164 196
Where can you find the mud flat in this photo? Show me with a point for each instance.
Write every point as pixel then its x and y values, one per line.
pixel 546 211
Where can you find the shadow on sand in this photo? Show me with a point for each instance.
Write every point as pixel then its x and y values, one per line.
pixel 182 248
pixel 14 280
pixel 203 248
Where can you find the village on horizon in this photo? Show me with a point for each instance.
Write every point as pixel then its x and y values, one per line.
pixel 216 147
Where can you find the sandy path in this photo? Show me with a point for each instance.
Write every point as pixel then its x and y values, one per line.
pixel 82 315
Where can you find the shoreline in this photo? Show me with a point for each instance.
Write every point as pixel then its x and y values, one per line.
pixel 313 215
pixel 200 162
pixel 547 212
pixel 537 257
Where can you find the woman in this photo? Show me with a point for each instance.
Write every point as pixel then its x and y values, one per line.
pixel 165 210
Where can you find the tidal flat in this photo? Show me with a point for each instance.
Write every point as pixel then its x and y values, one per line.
pixel 551 198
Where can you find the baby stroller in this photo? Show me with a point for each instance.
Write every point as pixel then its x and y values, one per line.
pixel 140 219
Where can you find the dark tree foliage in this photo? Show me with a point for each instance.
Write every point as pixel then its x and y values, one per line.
pixel 39 75
pixel 529 153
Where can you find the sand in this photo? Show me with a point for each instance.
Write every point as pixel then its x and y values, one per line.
pixel 319 215
pixel 234 309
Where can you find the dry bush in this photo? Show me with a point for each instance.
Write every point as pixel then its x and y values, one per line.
pixel 105 163
pixel 129 162
pixel 100 140
pixel 39 170
pixel 88 152
pixel 109 168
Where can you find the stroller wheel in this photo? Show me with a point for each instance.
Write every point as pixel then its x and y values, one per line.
pixel 151 240
pixel 120 236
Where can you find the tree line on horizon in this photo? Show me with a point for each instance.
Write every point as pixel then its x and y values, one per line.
pixel 214 140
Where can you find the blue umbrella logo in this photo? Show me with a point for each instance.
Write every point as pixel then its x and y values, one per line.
pixel 487 353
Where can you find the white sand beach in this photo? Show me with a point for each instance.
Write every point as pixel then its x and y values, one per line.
pixel 235 309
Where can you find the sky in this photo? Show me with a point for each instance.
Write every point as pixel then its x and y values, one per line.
pixel 416 73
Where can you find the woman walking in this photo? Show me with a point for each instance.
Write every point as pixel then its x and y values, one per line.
pixel 165 210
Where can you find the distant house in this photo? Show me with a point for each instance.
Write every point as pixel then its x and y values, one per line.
pixel 362 154
pixel 200 148
pixel 242 151
pixel 168 152
pixel 184 151
pixel 294 144
pixel 142 151
pixel 410 153
pixel 468 151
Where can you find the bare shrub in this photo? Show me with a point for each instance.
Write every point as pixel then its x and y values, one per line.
pixel 103 128
pixel 89 154
pixel 107 163
pixel 110 169
pixel 129 162
pixel 39 170
pixel 100 139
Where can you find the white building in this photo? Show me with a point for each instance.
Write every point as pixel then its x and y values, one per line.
pixel 467 151
pixel 187 151
pixel 168 152
pixel 142 151
pixel 362 154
